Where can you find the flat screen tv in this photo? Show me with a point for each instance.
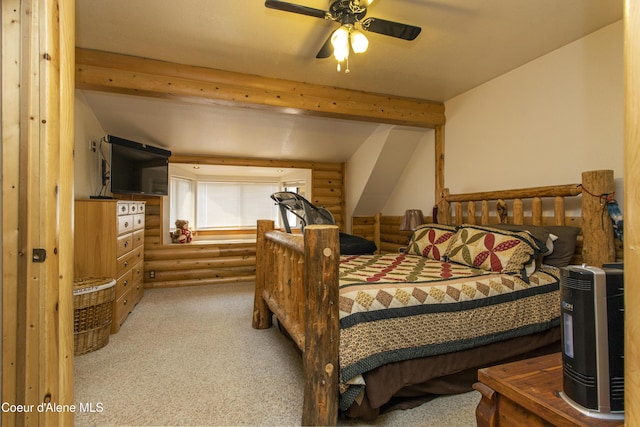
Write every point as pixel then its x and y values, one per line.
pixel 138 168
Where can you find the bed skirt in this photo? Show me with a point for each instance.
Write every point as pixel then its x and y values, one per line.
pixel 404 385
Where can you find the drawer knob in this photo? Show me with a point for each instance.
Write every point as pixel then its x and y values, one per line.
pixel 126 263
pixel 126 282
pixel 126 243
pixel 125 302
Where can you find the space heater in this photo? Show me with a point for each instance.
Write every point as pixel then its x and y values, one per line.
pixel 592 310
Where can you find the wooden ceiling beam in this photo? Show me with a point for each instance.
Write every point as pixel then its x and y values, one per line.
pixel 111 72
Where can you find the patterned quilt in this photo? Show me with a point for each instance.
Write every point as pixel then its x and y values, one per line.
pixel 396 307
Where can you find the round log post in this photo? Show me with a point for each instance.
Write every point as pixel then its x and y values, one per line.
pixel 376 230
pixel 502 212
pixel 444 208
pixel 597 229
pixel 471 213
pixel 485 212
pixel 536 211
pixel 322 329
pixel 558 211
pixel 261 313
pixel 459 219
pixel 518 212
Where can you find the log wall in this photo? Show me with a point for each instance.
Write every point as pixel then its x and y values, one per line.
pixel 191 264
pixel 384 230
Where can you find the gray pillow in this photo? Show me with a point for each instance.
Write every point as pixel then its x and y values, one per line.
pixel 564 248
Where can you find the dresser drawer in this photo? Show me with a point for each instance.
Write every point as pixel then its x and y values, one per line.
pixel 125 224
pixel 124 263
pixel 138 221
pixel 124 283
pixel 138 238
pixel 137 271
pixel 124 244
pixel 136 293
pixel 123 208
pixel 121 309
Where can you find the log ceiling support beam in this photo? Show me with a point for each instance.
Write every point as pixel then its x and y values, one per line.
pixel 115 73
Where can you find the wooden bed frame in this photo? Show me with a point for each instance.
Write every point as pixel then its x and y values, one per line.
pixel 297 276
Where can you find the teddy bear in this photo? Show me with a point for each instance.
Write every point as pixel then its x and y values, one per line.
pixel 182 234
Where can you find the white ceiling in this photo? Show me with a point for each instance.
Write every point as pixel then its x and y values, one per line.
pixel 463 44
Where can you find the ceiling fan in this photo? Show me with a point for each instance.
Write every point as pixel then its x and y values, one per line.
pixel 351 16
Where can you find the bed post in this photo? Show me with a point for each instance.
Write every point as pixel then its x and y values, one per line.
pixel 376 230
pixel 444 207
pixel 597 229
pixel 261 313
pixel 320 358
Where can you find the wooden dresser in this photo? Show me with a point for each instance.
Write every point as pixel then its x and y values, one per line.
pixel 109 242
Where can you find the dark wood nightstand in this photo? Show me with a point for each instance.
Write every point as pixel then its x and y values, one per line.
pixel 526 393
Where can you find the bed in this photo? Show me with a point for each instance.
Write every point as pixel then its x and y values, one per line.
pixel 471 291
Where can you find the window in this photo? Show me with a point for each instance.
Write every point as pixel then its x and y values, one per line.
pixel 235 204
pixel 224 202
pixel 182 200
pixel 211 204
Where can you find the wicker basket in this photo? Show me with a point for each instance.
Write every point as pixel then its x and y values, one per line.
pixel 92 312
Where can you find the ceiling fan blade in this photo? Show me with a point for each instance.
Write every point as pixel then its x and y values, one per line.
pixel 326 50
pixel 295 8
pixel 390 28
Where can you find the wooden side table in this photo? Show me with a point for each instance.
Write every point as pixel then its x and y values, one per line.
pixel 527 393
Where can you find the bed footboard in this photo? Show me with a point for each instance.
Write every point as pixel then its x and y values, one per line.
pixel 297 280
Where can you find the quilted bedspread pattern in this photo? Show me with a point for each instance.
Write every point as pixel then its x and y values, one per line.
pixel 396 307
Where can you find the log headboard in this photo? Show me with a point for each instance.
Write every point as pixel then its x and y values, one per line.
pixel 596 241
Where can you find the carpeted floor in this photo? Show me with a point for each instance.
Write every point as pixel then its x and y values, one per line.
pixel 189 356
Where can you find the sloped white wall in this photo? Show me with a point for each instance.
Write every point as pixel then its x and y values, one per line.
pixel 416 185
pixel 360 166
pixel 374 170
pixel 541 124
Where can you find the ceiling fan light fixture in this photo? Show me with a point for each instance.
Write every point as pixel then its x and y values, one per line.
pixel 341 53
pixel 340 43
pixel 359 42
pixel 350 36
pixel 340 37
